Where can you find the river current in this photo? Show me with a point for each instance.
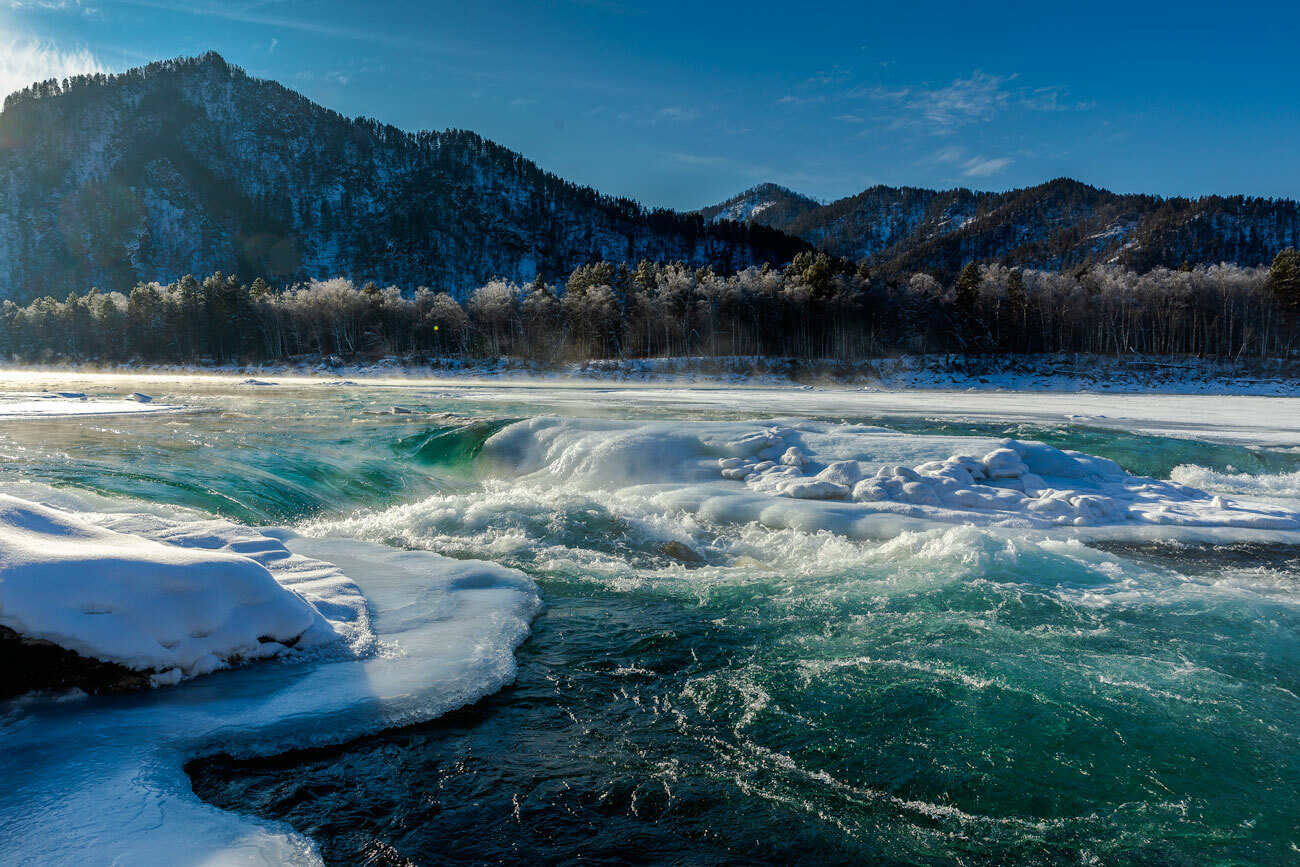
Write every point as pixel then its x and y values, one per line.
pixel 697 690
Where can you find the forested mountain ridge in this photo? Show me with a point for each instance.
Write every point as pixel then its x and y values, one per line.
pixel 191 165
pixel 1059 224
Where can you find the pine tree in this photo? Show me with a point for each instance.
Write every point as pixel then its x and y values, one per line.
pixel 1018 302
pixel 967 300
pixel 1284 279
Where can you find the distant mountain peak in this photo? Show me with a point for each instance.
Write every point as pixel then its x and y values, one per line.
pixel 1063 222
pixel 772 201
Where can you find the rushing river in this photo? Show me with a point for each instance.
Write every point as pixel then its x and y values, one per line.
pixel 698 690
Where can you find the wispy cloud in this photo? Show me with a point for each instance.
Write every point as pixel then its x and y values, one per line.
pixel 23 62
pixel 674 114
pixel 56 5
pixel 791 99
pixel 963 101
pixel 835 76
pixel 980 166
pixel 983 167
pixel 950 154
pixel 331 76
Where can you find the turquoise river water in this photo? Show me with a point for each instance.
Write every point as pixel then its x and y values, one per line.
pixel 701 692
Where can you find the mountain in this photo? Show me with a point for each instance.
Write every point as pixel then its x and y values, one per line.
pixel 191 166
pixel 1062 223
pixel 776 205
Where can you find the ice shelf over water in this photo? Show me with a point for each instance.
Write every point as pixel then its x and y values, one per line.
pixel 201 600
pixel 99 780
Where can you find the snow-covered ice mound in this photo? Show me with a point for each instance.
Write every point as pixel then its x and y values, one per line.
pixel 173 610
pixel 858 480
pixel 101 781
pixel 1018 484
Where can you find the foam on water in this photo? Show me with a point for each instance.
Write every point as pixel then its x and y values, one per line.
pixel 954 694
pixel 1266 485
pixel 855 480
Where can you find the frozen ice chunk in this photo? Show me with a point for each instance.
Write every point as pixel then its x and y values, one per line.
pixel 847 473
pixel 919 494
pixel 1004 464
pixel 815 489
pixel 870 491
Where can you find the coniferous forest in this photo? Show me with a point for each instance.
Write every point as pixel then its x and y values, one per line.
pixel 448 244
pixel 816 307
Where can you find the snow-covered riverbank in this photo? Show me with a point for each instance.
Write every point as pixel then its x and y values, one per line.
pixel 1051 373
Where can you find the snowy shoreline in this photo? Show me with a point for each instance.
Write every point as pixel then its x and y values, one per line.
pixel 1033 373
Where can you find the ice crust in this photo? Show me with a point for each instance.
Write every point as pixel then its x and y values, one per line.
pixel 859 480
pixel 100 780
pixel 16 405
pixel 179 608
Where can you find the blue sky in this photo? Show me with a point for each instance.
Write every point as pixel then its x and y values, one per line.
pixel 683 104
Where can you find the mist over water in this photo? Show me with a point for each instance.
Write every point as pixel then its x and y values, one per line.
pixel 705 692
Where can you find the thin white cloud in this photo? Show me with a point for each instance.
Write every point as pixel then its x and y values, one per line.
pixel 964 101
pixel 56 5
pixel 983 167
pixel 950 154
pixel 23 62
pixel 675 114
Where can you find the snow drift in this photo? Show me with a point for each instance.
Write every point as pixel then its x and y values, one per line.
pixel 171 609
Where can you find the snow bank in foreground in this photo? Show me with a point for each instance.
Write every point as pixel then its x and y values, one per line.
pixel 177 610
pixel 95 781
pixel 857 480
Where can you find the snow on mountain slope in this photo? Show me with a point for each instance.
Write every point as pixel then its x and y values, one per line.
pixel 1055 224
pixel 192 166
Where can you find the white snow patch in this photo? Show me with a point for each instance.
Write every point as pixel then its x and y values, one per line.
pixel 178 610
pixel 15 405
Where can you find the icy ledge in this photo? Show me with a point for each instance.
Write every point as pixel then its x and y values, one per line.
pixel 100 780
pixel 1018 484
pixel 212 595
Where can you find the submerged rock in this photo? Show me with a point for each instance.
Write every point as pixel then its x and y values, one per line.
pixel 681 552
